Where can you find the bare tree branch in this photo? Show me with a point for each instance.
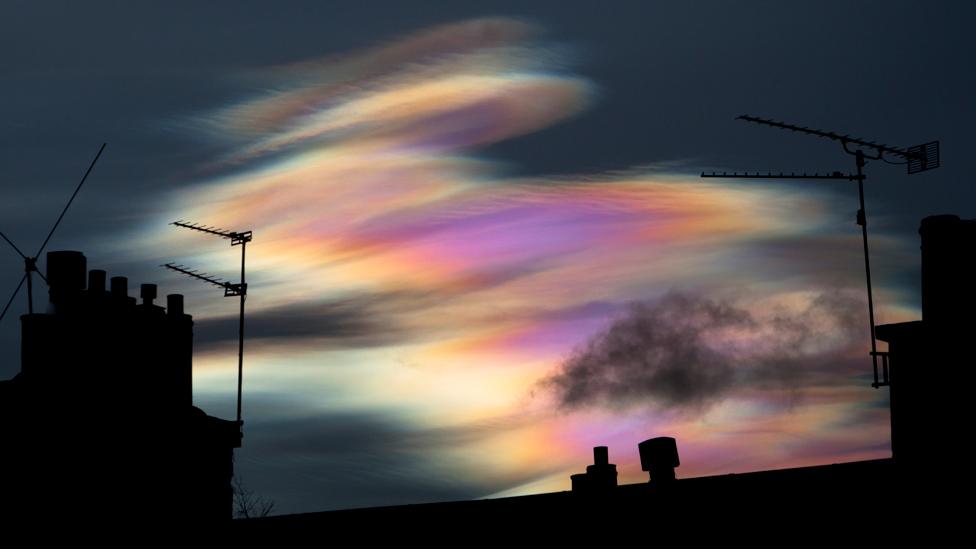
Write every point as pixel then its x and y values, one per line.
pixel 249 505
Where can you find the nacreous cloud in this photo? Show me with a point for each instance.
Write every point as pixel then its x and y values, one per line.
pixel 457 86
pixel 395 272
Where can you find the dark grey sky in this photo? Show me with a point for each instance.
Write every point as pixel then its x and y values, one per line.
pixel 671 77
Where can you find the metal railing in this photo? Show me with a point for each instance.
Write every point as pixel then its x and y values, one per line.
pixel 882 380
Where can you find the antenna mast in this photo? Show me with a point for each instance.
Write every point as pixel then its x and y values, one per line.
pixel 230 290
pixel 919 158
pixel 30 262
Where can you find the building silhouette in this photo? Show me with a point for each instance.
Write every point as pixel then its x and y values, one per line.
pixel 928 400
pixel 100 420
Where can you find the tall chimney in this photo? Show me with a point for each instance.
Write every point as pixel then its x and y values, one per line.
pixel 96 282
pixel 120 288
pixel 948 268
pixel 929 359
pixel 65 276
pixel 602 474
pixel 179 329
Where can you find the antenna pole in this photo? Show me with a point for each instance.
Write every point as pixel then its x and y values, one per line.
pixel 918 159
pixel 862 220
pixel 240 337
pixel 30 265
pixel 230 290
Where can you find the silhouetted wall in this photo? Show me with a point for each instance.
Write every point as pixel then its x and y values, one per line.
pixel 930 359
pixel 102 410
pixel 948 268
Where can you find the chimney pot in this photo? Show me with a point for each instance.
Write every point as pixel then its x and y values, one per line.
pixel 120 287
pixel 174 304
pixel 148 293
pixel 96 282
pixel 659 457
pixel 65 275
pixel 601 455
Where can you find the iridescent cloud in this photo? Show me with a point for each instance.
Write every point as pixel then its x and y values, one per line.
pixel 394 272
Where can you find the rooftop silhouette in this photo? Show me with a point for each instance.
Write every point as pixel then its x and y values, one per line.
pixel 103 407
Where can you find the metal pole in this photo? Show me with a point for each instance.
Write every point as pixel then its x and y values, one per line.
pixel 862 220
pixel 240 341
pixel 30 285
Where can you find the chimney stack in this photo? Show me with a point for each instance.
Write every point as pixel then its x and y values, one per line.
pixel 928 359
pixel 659 457
pixel 948 268
pixel 602 475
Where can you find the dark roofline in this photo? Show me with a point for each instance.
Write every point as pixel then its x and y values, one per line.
pixel 840 477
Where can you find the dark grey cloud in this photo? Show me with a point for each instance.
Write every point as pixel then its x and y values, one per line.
pixel 371 319
pixel 670 353
pixel 836 259
pixel 332 460
pixel 362 320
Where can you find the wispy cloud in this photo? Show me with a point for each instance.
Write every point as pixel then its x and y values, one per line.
pixel 459 85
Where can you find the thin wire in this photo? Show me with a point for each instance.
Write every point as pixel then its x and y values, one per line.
pixel 13 245
pixel 70 200
pixel 12 296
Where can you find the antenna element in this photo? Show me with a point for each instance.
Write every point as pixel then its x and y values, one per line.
pixel 230 290
pixel 919 158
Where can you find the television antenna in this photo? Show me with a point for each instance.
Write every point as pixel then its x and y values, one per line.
pixel 917 159
pixel 230 289
pixel 30 262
